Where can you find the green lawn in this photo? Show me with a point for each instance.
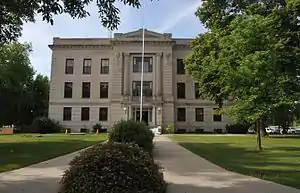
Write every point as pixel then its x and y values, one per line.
pixel 278 162
pixel 19 150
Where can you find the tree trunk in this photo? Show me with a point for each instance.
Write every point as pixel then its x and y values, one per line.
pixel 258 139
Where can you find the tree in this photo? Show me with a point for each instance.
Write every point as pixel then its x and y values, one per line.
pixel 14 13
pixel 249 57
pixel 22 97
pixel 16 76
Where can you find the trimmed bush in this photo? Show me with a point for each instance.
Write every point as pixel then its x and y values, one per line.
pixel 100 128
pixel 237 128
pixel 132 132
pixel 45 125
pixel 113 168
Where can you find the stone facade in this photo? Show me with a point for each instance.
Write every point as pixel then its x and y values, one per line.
pixel 160 106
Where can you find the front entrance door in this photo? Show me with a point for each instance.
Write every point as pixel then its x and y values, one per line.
pixel 145 116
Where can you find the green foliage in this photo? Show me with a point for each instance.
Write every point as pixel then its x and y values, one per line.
pixel 132 132
pixel 249 59
pixel 244 60
pixel 21 95
pixel 45 125
pixel 113 168
pixel 14 13
pixel 98 127
pixel 170 129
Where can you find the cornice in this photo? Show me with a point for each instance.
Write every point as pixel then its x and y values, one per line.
pixel 182 46
pixel 151 42
pixel 80 46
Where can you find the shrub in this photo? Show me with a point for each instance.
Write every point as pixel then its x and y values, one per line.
pixel 237 128
pixel 100 128
pixel 113 168
pixel 132 132
pixel 170 129
pixel 46 125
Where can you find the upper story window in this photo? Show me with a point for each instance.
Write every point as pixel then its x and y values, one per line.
pixel 69 68
pixel 86 90
pixel 181 114
pixel 104 90
pixel 199 114
pixel 68 89
pixel 87 66
pixel 197 93
pixel 181 90
pixel 137 64
pixel 217 117
pixel 147 88
pixel 180 66
pixel 104 66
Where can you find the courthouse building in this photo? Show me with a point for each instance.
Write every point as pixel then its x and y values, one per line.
pixel 98 80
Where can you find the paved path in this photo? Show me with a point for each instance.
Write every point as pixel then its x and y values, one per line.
pixel 38 178
pixel 189 173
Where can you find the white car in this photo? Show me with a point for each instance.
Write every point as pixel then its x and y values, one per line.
pixel 273 129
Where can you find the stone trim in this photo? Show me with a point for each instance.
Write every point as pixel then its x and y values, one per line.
pixel 79 46
pixel 153 42
pixel 81 104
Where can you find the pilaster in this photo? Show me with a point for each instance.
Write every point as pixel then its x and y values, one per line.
pixel 126 73
pixel 158 79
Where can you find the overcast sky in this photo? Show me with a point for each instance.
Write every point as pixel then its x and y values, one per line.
pixel 170 16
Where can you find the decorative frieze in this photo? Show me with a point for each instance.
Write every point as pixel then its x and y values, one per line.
pixel 81 46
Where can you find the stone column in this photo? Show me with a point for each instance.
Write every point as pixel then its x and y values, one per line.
pixel 158 79
pixel 154 81
pixel 126 74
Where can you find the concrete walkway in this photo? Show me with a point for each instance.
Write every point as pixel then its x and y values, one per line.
pixel 189 173
pixel 38 178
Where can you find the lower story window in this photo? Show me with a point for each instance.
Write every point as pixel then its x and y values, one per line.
pixel 181 114
pixel 67 114
pixel 103 114
pixel 85 114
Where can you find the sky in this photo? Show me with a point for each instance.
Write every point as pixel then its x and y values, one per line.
pixel 164 16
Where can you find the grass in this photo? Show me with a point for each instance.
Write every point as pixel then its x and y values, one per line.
pixel 278 162
pixel 17 151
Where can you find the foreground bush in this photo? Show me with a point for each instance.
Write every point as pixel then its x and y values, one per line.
pixel 132 132
pixel 45 125
pixel 113 168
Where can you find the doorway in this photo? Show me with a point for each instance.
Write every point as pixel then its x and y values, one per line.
pixel 145 116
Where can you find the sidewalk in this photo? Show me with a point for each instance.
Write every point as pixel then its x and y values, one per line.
pixel 38 178
pixel 188 173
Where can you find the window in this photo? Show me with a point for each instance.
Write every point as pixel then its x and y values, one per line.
pixel 217 117
pixel 199 114
pixel 180 66
pixel 68 90
pixel 87 66
pixel 137 64
pixel 181 114
pixel 104 90
pixel 197 93
pixel 86 89
pixel 104 66
pixel 147 88
pixel 85 114
pixel 181 90
pixel 103 114
pixel 69 66
pixel 67 114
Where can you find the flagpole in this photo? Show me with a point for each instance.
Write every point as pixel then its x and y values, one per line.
pixel 143 53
